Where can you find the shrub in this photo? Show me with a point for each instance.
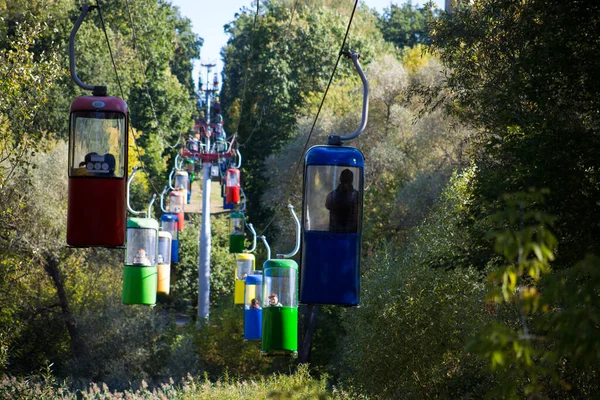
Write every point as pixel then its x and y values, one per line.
pixel 407 340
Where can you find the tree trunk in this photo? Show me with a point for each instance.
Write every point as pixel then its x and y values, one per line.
pixel 311 325
pixel 51 267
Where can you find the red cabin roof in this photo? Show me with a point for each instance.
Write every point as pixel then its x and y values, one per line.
pixel 99 103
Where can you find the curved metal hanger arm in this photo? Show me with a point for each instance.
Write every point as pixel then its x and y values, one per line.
pixel 131 210
pixel 162 199
pixel 175 145
pixel 171 178
pixel 178 164
pixel 150 205
pixel 239 159
pixel 244 203
pixel 297 247
pixel 264 239
pixel 253 238
pixel 337 139
pixel 96 90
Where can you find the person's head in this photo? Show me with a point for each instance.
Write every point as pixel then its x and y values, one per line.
pixel 254 303
pixel 273 299
pixel 244 275
pixel 346 177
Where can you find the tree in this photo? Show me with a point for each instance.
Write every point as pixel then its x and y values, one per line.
pixel 522 74
pixel 406 25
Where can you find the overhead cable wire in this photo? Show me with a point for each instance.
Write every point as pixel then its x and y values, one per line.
pixel 114 64
pixel 298 163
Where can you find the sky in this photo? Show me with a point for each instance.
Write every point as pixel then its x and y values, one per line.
pixel 208 18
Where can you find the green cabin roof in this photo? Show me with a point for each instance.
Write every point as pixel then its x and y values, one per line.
pixel 142 223
pixel 280 263
pixel 237 214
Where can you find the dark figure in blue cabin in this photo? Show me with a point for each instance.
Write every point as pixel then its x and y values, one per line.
pixel 342 204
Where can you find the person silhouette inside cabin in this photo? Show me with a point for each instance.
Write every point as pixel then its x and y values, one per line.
pixel 342 204
pixel 141 258
pixel 274 300
pixel 254 304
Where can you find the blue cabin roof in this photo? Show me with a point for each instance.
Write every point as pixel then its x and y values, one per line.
pixel 253 279
pixel 169 217
pixel 335 155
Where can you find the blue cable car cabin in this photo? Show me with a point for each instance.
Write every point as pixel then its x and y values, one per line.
pixel 253 307
pixel 169 223
pixel 332 218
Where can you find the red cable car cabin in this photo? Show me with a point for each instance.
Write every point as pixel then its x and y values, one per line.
pixel 232 186
pixel 97 172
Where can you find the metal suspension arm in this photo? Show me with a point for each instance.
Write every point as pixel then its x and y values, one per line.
pixel 171 178
pixel 264 239
pixel 253 238
pixel 150 205
pixel 176 143
pixel 239 159
pixel 96 90
pixel 131 210
pixel 230 148
pixel 297 247
pixel 244 203
pixel 365 109
pixel 162 199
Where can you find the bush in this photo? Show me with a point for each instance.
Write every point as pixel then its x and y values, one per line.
pixel 408 338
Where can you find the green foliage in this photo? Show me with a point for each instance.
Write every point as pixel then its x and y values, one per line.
pixel 525 241
pixel 221 346
pixel 299 385
pixel 407 340
pixel 25 81
pixel 521 72
pixel 123 344
pixel 552 339
pixel 406 25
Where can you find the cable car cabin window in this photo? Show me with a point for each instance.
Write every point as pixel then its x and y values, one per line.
pixel 164 250
pixel 233 178
pixel 171 227
pixel 244 268
pixel 280 290
pixel 181 181
pixel 253 295
pixel 141 247
pixel 176 204
pixel 97 144
pixel 332 201
pixel 192 146
pixel 236 226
